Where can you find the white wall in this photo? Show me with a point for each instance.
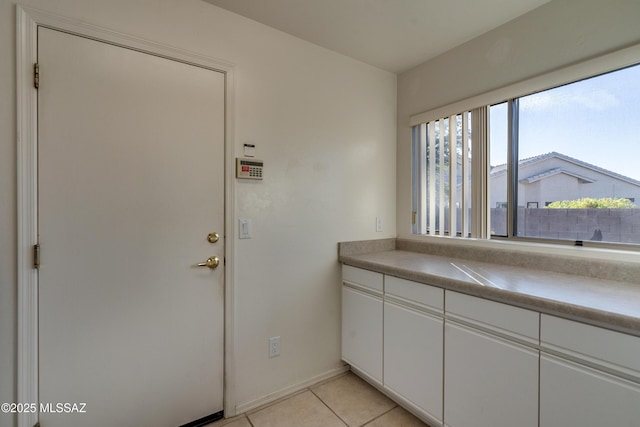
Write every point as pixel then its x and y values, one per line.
pixel 560 33
pixel 324 124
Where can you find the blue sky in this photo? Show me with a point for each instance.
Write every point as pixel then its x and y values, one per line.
pixel 595 120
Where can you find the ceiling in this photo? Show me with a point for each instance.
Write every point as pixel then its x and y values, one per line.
pixel 394 35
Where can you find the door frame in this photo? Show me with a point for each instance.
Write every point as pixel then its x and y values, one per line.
pixel 27 22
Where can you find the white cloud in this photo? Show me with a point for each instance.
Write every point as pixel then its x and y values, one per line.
pixel 570 97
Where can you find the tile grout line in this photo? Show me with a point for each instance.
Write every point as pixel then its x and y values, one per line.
pixel 381 415
pixel 332 411
pixel 293 394
pixel 285 398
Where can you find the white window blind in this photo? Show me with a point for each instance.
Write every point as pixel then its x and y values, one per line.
pixel 443 176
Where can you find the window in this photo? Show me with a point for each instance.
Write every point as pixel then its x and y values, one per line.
pixel 561 166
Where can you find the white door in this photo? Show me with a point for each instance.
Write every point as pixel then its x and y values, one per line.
pixel 131 182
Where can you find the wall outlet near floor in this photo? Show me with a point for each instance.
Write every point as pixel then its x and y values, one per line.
pixel 274 346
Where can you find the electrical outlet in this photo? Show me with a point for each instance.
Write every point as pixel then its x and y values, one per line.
pixel 378 224
pixel 274 346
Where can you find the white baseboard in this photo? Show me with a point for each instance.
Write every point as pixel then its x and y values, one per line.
pixel 412 407
pixel 247 406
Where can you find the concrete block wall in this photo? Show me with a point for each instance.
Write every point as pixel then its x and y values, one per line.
pixel 616 225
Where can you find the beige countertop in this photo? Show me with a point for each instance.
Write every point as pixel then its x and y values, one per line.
pixel 606 303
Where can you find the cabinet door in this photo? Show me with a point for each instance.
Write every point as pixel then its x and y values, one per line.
pixel 362 332
pixel 489 382
pixel 413 357
pixel 574 395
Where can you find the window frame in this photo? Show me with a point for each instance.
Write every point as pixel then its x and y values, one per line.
pixel 604 64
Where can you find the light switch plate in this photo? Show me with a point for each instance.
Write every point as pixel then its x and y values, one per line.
pixel 245 228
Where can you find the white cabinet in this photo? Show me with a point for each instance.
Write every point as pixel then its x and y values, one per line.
pixel 499 365
pixel 413 346
pixel 362 322
pixel 589 376
pixel 490 364
pixel 392 335
pixel 575 395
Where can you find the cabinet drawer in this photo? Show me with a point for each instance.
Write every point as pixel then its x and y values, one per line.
pixel 513 321
pixel 359 276
pixel 415 292
pixel 611 349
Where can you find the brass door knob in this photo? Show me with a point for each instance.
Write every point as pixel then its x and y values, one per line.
pixel 211 262
pixel 213 237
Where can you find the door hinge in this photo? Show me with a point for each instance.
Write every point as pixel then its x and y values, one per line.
pixel 36 75
pixel 413 217
pixel 36 256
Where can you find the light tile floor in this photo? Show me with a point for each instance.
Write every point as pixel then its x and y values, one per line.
pixel 345 400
